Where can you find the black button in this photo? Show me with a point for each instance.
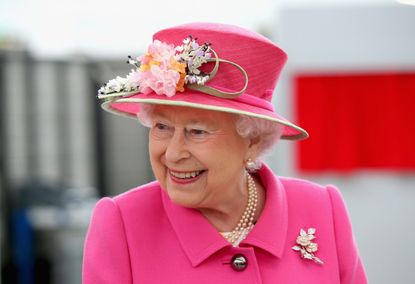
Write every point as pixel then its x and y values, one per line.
pixel 239 262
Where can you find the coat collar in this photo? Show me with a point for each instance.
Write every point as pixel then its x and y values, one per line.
pixel 269 233
pixel 200 239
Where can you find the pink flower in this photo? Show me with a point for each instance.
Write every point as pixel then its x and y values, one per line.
pixel 161 52
pixel 161 81
pixel 164 69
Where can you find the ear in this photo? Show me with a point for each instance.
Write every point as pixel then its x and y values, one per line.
pixel 253 148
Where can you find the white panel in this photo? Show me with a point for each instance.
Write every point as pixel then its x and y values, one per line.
pixel 349 37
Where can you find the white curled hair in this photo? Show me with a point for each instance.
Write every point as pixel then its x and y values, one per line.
pixel 246 126
pixel 144 115
pixel 268 131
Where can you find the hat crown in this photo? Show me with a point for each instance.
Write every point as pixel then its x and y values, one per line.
pixel 257 55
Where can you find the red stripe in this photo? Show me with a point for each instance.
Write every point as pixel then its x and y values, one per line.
pixel 356 121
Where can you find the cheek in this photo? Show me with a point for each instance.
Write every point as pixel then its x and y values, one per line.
pixel 227 155
pixel 156 147
pixel 232 146
pixel 156 158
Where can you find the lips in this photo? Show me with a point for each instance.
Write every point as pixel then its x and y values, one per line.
pixel 185 176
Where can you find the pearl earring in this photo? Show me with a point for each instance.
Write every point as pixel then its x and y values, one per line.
pixel 250 166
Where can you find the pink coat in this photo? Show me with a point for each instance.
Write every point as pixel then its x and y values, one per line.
pixel 142 237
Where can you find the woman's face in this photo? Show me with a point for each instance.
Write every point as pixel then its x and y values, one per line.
pixel 197 156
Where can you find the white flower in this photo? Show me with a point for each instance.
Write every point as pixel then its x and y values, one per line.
pixel 305 245
pixel 304 239
pixel 312 247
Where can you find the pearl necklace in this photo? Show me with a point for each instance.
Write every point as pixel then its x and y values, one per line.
pixel 246 223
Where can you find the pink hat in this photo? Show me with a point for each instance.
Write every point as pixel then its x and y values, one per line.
pixel 206 66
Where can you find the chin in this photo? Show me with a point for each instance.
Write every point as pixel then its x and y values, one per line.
pixel 181 199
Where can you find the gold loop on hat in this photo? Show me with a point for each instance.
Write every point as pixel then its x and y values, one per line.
pixel 215 68
pixel 215 92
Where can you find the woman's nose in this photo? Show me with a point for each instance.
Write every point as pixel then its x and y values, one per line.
pixel 177 147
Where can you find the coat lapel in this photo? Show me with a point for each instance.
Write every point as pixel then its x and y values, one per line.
pixel 198 238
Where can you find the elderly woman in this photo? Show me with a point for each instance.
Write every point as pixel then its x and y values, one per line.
pixel 215 213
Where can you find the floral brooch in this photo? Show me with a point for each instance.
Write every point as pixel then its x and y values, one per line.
pixel 305 245
pixel 166 69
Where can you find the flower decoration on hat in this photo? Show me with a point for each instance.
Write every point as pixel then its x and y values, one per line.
pixel 166 69
pixel 306 247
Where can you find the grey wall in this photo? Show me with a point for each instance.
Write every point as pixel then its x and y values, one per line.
pixel 60 152
pixel 381 204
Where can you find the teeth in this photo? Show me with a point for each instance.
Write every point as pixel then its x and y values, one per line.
pixel 185 175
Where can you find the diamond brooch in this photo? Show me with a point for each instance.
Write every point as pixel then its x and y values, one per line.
pixel 305 246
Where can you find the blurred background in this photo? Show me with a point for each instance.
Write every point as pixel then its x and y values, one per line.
pixel 349 80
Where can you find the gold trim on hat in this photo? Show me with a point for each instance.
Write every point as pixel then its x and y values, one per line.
pixel 107 107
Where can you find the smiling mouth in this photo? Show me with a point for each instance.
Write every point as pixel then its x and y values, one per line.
pixel 186 175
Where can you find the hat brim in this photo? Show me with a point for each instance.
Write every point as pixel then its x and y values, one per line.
pixel 128 105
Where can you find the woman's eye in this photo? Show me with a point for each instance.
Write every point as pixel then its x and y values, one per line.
pixel 197 133
pixel 160 130
pixel 161 126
